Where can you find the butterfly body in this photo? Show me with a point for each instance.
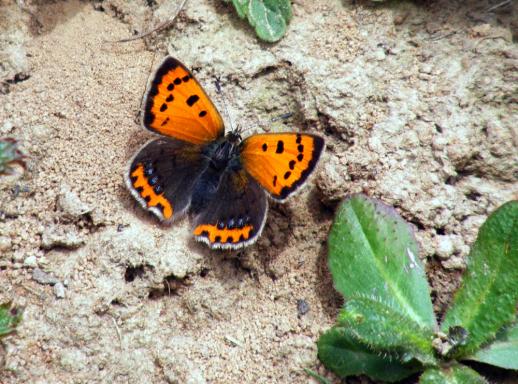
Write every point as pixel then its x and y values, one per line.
pixel 223 180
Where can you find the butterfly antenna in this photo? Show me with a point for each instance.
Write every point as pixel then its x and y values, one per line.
pixel 219 91
pixel 260 123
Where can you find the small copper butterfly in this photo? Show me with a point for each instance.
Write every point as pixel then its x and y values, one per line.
pixel 222 179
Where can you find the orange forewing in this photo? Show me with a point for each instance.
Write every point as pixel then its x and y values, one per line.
pixel 176 105
pixel 281 162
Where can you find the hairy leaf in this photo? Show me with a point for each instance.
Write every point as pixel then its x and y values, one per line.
pixel 381 327
pixel 270 18
pixel 373 252
pixel 9 318
pixel 340 352
pixel 457 374
pixel 487 299
pixel 503 352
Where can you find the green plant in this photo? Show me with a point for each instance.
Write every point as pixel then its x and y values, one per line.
pixel 270 18
pixel 9 318
pixel 387 329
pixel 9 153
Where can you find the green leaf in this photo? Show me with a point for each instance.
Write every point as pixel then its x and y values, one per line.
pixel 457 374
pixel 270 18
pixel 340 352
pixel 381 327
pixel 9 318
pixel 241 7
pixel 486 301
pixel 503 352
pixel 373 252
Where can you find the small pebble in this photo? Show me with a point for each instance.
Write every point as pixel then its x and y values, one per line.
pixel 5 243
pixel 71 205
pixel 43 277
pixel 454 262
pixel 302 307
pixel 379 55
pixel 444 246
pixel 59 290
pixel 31 262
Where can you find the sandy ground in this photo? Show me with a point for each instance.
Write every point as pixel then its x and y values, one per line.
pixel 418 104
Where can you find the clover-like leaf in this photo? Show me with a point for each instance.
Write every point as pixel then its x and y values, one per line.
pixel 343 354
pixel 486 301
pixel 373 253
pixel 270 18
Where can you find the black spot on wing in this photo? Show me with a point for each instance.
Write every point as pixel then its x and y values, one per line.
pixel 280 147
pixel 192 99
pixel 160 207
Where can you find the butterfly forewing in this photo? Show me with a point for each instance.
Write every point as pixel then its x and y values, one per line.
pixel 177 106
pixel 281 162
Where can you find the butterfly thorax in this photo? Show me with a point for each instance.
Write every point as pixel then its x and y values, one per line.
pixel 224 153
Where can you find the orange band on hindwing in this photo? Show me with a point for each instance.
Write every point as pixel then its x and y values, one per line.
pixel 225 235
pixel 148 193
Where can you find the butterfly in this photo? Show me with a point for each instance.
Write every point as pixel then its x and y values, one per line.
pixel 194 167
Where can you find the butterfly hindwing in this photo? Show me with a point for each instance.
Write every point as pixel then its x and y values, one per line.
pixel 163 174
pixel 177 106
pixel 236 214
pixel 281 162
